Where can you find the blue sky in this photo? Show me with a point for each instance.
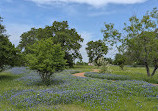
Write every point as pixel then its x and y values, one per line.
pixel 86 16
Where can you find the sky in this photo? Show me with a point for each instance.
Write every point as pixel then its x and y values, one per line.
pixel 86 16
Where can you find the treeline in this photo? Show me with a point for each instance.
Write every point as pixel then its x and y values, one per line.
pixel 137 43
pixel 56 47
pixel 45 50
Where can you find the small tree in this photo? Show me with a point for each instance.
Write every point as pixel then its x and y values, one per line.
pixel 140 40
pixel 46 58
pixel 96 50
pixel 104 65
pixel 120 60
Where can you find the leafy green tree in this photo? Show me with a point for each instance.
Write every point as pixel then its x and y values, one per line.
pixel 81 63
pixel 140 39
pixel 9 55
pixel 120 60
pixel 96 50
pixel 110 61
pixel 61 33
pixel 46 58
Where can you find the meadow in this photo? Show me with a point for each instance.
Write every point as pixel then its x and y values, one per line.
pixel 22 89
pixel 129 73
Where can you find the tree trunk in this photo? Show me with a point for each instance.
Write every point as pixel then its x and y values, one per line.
pixel 147 69
pixel 155 68
pixel 45 78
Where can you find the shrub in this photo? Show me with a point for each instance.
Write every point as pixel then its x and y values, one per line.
pixel 104 65
pixel 46 58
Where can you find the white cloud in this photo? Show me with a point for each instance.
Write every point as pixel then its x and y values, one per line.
pixel 95 3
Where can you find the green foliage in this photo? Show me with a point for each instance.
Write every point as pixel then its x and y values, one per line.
pixel 46 58
pixel 96 50
pixel 61 34
pixel 140 40
pixel 111 35
pixel 81 63
pixel 110 61
pixel 120 60
pixel 9 55
pixel 104 65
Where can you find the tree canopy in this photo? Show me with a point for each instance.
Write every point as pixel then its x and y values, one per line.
pixel 9 55
pixel 95 50
pixel 120 60
pixel 61 33
pixel 46 58
pixel 140 39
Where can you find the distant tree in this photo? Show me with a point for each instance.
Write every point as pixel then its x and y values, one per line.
pixel 110 61
pixel 46 58
pixel 81 63
pixel 96 50
pixel 140 40
pixel 61 33
pixel 9 55
pixel 120 60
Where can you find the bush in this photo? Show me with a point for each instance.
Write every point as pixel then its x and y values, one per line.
pixel 120 60
pixel 104 65
pixel 46 58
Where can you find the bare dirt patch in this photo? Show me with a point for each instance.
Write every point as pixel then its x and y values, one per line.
pixel 96 70
pixel 79 74
pixel 155 84
pixel 82 73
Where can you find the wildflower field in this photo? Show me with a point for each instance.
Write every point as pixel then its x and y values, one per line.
pixel 21 89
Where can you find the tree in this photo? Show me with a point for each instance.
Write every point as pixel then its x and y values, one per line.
pixel 140 39
pixel 46 58
pixel 95 50
pixel 120 60
pixel 104 65
pixel 110 61
pixel 61 33
pixel 9 55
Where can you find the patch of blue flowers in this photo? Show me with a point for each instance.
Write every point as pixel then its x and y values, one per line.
pixel 107 76
pixel 68 89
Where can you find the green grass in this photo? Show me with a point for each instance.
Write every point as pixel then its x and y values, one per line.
pixel 136 73
pixel 7 81
pixel 83 68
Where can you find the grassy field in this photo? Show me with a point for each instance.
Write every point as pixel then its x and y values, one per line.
pixel 131 73
pixel 22 89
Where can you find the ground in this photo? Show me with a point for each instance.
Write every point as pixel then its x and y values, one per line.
pixel 22 89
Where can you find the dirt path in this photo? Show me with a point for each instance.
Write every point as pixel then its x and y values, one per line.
pixel 79 74
pixel 155 84
pixel 82 73
pixel 96 70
